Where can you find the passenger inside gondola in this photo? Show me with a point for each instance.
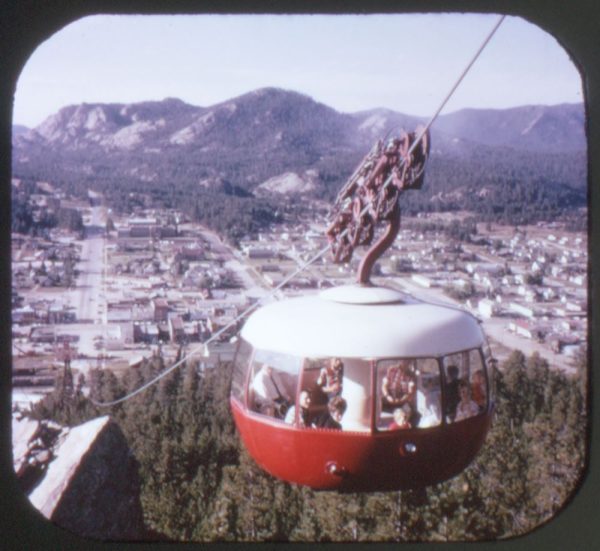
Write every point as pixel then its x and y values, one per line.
pixel 465 373
pixel 418 381
pixel 350 379
pixel 466 406
pixel 331 419
pixel 270 394
pixel 451 391
pixel 398 388
pixel 304 402
pixel 428 405
pixel 400 420
pixel 478 392
pixel 331 378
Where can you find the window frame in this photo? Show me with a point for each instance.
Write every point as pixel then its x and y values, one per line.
pixel 243 395
pixel 484 367
pixel 376 412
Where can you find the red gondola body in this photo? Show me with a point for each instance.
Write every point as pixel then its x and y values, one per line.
pixel 299 335
pixel 382 461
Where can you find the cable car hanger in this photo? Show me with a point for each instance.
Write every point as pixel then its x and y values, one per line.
pixel 347 232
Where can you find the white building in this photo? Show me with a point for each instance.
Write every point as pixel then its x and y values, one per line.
pixel 260 252
pixel 421 280
pixel 521 309
pixel 521 328
pixel 487 308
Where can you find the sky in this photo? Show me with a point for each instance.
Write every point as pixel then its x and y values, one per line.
pixel 407 63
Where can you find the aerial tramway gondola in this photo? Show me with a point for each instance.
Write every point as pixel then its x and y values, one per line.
pixel 404 362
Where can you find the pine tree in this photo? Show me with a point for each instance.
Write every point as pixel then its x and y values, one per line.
pixel 256 517
pixel 223 522
pixel 538 372
pixel 308 527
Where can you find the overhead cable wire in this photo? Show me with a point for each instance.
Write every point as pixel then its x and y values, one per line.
pixel 203 347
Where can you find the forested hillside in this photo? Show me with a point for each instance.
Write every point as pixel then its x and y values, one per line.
pixel 199 484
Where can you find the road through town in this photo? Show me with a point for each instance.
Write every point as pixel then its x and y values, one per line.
pixel 88 296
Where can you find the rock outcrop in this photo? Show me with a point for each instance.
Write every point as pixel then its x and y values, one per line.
pixel 84 479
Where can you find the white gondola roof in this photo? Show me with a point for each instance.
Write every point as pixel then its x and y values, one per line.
pixel 362 322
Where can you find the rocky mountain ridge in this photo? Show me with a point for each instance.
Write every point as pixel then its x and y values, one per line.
pixel 269 140
pixel 554 129
pixel 269 113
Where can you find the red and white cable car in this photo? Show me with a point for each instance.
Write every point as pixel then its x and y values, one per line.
pixel 371 330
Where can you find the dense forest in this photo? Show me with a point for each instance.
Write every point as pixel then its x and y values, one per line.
pixel 505 187
pixel 199 484
pixel 28 220
pixel 497 187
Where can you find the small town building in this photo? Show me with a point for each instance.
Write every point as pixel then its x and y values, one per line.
pixel 521 309
pixel 522 328
pixel 176 329
pixel 487 308
pixel 160 308
pixel 260 252
pixel 422 280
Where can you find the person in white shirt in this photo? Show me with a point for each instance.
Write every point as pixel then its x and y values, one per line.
pixel 270 395
pixel 304 401
pixel 466 407
pixel 428 409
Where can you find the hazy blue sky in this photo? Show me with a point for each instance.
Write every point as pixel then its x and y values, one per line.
pixel 403 62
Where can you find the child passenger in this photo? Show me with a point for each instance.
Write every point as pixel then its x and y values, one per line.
pixel 400 421
pixel 466 407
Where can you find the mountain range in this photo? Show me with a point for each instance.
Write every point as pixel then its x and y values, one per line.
pixel 269 139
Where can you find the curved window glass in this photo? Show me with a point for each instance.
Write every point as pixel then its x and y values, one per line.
pixel 408 394
pixel 466 386
pixel 478 381
pixel 240 369
pixel 338 393
pixel 273 382
pixel 349 393
pixel 490 363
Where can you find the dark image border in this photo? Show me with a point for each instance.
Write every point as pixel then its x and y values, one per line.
pixel 27 23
